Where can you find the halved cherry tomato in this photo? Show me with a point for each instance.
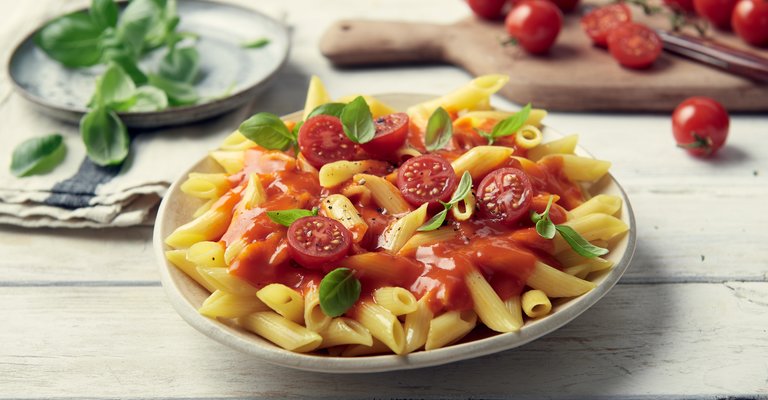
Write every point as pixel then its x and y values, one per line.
pixel 700 125
pixel 598 22
pixel 634 45
pixel 391 132
pixel 427 179
pixel 685 6
pixel 535 24
pixel 750 21
pixel 505 194
pixel 718 12
pixel 487 9
pixel 322 140
pixel 317 242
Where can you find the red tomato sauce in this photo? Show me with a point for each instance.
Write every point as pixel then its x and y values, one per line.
pixel 504 254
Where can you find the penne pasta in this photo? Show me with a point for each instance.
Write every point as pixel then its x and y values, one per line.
pixel 592 227
pixel 449 328
pixel 314 317
pixel 236 141
pixel 207 254
pixel 209 226
pixel 473 96
pixel 338 207
pixel 515 307
pixel 600 204
pixel 465 208
pixel 253 195
pixel 179 259
pixel 345 331
pixel 528 137
pixel 222 280
pixel 578 168
pixel 564 145
pixel 281 331
pixel 397 300
pixel 416 326
pixel 478 119
pixel 488 306
pixel 556 283
pixel 231 161
pixel 338 172
pixel 206 186
pixel 480 160
pixel 420 239
pixel 384 193
pixel 383 325
pixel 536 304
pixel 225 305
pixel 400 231
pixel 316 96
pixel 284 301
pixel 378 347
pixel 233 250
pixel 203 208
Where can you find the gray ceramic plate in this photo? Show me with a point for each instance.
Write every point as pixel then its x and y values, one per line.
pixel 231 74
pixel 186 296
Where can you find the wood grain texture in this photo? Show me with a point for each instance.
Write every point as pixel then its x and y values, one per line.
pixel 692 340
pixel 574 76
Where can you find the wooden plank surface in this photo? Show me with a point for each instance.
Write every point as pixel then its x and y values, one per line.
pixel 695 340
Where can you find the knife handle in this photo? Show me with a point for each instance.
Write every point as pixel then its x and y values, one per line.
pixel 735 61
pixel 360 42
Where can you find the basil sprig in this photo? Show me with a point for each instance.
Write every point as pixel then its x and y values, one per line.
pixel 287 217
pixel 439 130
pixel 357 121
pixel 507 126
pixel 37 155
pixel 255 44
pixel 546 229
pixel 339 290
pixel 332 109
pixel 465 185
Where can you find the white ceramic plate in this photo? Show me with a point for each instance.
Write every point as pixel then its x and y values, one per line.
pixel 187 296
pixel 230 74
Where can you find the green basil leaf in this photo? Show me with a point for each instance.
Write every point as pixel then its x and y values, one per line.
pixel 105 136
pixel 103 13
pixel 162 32
pixel 149 98
pixel 296 129
pixel 578 243
pixel 138 18
pixel 287 217
pixel 268 131
pixel 545 228
pixel 72 39
pixel 339 290
pixel 510 125
pixel 536 217
pixel 435 222
pixel 255 44
pixel 127 62
pixel 439 130
pixel 114 89
pixel 332 109
pixel 357 121
pixel 465 185
pixel 179 93
pixel 180 64
pixel 37 155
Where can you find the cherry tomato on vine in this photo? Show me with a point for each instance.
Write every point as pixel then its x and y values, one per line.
pixel 317 242
pixel 598 22
pixel 427 179
pixel 718 12
pixel 322 140
pixel 505 194
pixel 634 45
pixel 535 25
pixel 391 132
pixel 681 5
pixel 487 9
pixel 750 21
pixel 700 125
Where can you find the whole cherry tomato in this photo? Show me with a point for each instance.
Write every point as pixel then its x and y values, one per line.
pixel 535 25
pixel 700 125
pixel 598 22
pixel 681 5
pixel 750 21
pixel 718 12
pixel 634 45
pixel 487 9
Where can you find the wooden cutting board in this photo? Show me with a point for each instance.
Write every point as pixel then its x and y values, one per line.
pixel 574 76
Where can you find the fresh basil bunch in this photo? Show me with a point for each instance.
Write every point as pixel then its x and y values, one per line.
pixel 101 36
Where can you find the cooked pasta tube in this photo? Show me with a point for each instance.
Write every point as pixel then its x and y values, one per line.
pixel 233 250
pixel 343 331
pixel 203 208
pixel 556 283
pixel 600 204
pixel 224 281
pixel 580 271
pixel 207 254
pixel 528 137
pixel 384 193
pixel 397 300
pixel 226 305
pixel 360 192
pixel 578 168
pixel 465 208
pixel 236 141
pixel 231 161
pixel 536 304
pixel 209 226
pixel 253 195
pixel 284 301
pixel 420 239
pixel 480 160
pixel 488 306
pixel 314 317
pixel 338 172
pixel 474 95
pixel 382 324
pixel 449 328
pixel 564 145
pixel 179 259
pixel 477 119
pixel 281 331
pixel 416 326
pixel 592 227
pixel 515 307
pixel 316 96
pixel 338 207
pixel 205 186
pixel 356 350
pixel 398 232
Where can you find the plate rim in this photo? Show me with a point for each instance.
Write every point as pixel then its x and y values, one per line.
pixel 271 353
pixel 202 107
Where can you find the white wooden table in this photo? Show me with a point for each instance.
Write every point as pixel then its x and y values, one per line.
pixel 83 313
